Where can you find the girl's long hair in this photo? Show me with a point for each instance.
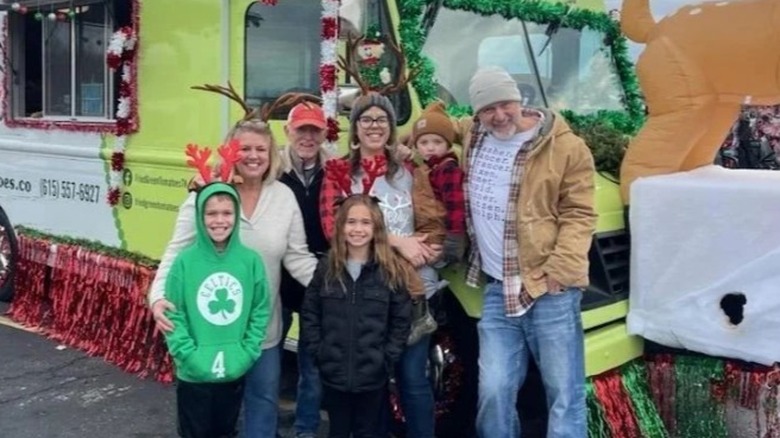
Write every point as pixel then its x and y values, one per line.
pixel 395 271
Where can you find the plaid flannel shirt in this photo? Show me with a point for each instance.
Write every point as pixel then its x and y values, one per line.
pixel 447 181
pixel 516 299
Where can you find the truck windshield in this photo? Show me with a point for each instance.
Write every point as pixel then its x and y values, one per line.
pixel 559 69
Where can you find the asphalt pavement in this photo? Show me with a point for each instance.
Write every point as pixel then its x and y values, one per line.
pixel 51 391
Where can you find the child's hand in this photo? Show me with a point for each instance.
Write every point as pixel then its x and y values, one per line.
pixel 433 252
pixel 403 152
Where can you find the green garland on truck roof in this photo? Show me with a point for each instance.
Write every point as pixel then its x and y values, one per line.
pixel 543 12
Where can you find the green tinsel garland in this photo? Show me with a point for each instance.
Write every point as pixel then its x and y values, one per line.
pixel 89 245
pixel 597 425
pixel 634 377
pixel 699 414
pixel 542 12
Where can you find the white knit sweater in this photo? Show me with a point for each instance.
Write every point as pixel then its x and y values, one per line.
pixel 275 230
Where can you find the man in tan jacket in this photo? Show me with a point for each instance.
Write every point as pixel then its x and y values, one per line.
pixel 530 218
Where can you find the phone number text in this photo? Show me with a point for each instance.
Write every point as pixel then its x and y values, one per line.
pixel 60 189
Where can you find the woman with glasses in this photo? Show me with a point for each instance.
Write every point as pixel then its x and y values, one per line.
pixel 272 225
pixel 408 207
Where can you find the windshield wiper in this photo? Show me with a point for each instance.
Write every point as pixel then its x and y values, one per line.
pixel 551 30
pixel 430 14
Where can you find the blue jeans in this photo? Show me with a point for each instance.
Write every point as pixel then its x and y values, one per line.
pixel 416 390
pixel 550 333
pixel 309 394
pixel 261 395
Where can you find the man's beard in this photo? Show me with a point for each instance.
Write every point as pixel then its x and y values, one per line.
pixel 505 133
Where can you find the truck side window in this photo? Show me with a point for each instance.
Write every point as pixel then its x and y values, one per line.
pixel 44 83
pixel 282 50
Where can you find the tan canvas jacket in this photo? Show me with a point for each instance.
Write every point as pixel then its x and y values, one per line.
pixel 556 217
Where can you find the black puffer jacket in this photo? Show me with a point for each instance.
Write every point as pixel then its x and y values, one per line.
pixel 355 330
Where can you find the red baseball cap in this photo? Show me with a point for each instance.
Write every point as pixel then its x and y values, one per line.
pixel 306 113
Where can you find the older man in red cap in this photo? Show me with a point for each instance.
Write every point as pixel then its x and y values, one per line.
pixel 303 160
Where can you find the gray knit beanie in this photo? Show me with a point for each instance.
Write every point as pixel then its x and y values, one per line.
pixel 362 104
pixel 490 85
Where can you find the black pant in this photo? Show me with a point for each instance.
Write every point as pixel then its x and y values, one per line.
pixel 208 410
pixel 352 412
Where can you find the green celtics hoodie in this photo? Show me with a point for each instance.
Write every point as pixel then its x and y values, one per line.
pixel 222 302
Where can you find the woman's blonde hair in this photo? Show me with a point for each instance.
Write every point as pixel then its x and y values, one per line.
pixel 381 253
pixel 259 127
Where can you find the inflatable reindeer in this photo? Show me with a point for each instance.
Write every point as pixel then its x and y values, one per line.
pixel 699 67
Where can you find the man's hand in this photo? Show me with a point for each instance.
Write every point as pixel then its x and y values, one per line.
pixel 159 308
pixel 553 286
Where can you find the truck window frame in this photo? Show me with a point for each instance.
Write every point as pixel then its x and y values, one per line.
pixel 36 112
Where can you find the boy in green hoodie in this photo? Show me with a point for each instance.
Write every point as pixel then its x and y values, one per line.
pixel 220 293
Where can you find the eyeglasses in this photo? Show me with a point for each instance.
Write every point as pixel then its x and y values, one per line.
pixel 366 122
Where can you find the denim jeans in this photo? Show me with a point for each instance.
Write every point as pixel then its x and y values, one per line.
pixel 261 395
pixel 309 393
pixel 550 333
pixel 416 390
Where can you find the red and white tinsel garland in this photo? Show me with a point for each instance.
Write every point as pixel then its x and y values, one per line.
pixel 120 54
pixel 120 47
pixel 328 70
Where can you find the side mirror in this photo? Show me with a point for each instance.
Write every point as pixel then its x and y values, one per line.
pixel 347 95
pixel 351 14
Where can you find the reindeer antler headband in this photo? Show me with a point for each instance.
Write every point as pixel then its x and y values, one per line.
pixel 286 100
pixel 199 159
pixel 339 172
pixel 350 66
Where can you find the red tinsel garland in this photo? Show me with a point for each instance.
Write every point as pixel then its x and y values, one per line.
pixel 662 382
pixel 93 302
pixel 618 409
pixel 328 77
pixel 30 304
pixel 117 161
pixel 330 27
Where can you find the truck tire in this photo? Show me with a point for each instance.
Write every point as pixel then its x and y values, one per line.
pixel 9 254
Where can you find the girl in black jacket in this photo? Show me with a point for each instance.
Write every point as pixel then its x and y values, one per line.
pixel 355 318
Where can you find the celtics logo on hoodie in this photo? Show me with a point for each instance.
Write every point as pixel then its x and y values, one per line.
pixel 220 298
